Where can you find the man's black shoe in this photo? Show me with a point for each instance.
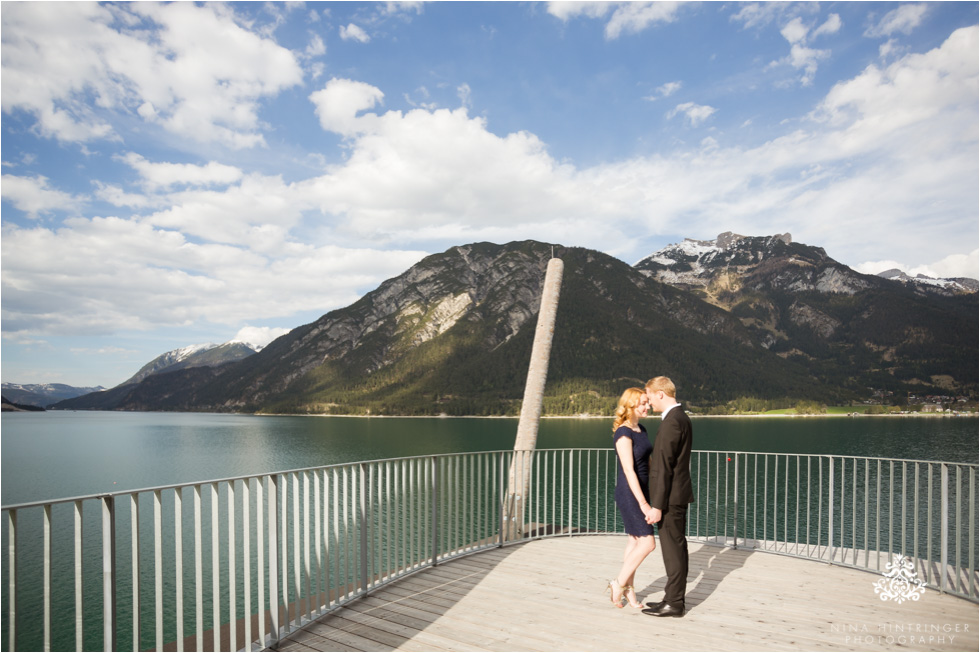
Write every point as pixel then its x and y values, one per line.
pixel 666 610
pixel 655 605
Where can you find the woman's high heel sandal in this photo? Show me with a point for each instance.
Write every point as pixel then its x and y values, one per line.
pixel 633 603
pixel 616 603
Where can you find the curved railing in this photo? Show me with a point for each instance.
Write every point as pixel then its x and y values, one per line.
pixel 241 562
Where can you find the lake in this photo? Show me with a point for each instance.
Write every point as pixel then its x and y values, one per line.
pixel 60 454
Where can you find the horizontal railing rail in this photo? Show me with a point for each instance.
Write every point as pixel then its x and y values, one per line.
pixel 238 563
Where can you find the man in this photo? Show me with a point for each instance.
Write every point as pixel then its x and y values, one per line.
pixel 670 492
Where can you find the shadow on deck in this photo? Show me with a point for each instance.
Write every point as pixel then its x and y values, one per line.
pixel 547 595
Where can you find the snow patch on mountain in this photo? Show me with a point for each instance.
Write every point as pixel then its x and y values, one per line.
pixel 251 345
pixel 954 285
pixel 183 353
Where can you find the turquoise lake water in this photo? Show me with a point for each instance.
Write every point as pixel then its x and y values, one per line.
pixel 52 455
pixel 65 454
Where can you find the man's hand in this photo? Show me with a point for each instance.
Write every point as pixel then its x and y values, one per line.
pixel 654 516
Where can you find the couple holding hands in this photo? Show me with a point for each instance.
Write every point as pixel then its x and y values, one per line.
pixel 653 486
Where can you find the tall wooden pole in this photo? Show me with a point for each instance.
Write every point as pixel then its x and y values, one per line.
pixel 527 428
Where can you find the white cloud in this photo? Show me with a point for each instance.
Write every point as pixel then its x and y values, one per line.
pixel 758 14
pixel 438 168
pixel 118 196
pixel 34 196
pixel 465 94
pixel 104 275
pixel 402 6
pixel 904 19
pixel 795 31
pixel 892 149
pixel 952 266
pixel 695 113
pixel 664 90
pixel 831 26
pixel 260 336
pixel 955 265
pixel 259 212
pixel 627 17
pixel 912 91
pixel 802 57
pixel 339 102
pixel 424 98
pixel 164 175
pixel 633 17
pixel 191 69
pixel 316 47
pixel 352 32
pixel 568 10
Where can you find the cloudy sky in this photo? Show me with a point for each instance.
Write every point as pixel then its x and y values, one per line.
pixel 180 174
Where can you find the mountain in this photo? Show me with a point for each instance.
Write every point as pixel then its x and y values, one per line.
pixel 762 318
pixel 706 265
pixel 43 394
pixel 956 285
pixel 859 330
pixel 194 356
pixel 8 406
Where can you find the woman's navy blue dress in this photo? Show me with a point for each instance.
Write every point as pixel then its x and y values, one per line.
pixel 633 518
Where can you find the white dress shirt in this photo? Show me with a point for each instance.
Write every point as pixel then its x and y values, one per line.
pixel 667 410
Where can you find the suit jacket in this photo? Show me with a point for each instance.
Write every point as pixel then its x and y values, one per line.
pixel 670 470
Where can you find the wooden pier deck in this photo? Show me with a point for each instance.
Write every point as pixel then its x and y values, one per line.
pixel 547 595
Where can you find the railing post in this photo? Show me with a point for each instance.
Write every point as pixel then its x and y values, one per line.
pixel 198 573
pixel 735 503
pixel 830 511
pixel 434 507
pixel 272 561
pixel 944 527
pixel 46 583
pixel 503 501
pixel 364 519
pixel 179 566
pixel 108 573
pixel 158 567
pixel 571 476
pixel 215 571
pixel 232 564
pixel 79 599
pixel 12 580
pixel 134 514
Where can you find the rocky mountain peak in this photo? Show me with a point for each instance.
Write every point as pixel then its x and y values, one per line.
pixel 953 286
pixel 732 262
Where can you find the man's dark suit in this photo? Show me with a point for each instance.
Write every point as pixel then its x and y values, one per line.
pixel 670 491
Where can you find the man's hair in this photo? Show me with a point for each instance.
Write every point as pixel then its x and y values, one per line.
pixel 662 383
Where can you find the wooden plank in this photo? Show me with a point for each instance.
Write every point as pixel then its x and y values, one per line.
pixel 373 634
pixel 547 596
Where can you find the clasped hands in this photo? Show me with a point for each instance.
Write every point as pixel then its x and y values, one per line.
pixel 653 515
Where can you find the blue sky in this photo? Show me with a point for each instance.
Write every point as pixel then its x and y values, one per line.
pixel 189 173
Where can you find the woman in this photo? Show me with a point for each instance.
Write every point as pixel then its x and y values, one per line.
pixel 633 451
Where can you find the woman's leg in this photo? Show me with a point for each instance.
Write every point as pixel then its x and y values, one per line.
pixel 637 549
pixel 631 543
pixel 616 588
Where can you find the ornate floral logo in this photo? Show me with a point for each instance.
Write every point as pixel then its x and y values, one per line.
pixel 900 583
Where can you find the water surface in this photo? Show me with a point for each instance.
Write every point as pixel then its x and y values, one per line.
pixel 60 454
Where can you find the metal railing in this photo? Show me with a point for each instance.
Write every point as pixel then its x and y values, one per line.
pixel 239 563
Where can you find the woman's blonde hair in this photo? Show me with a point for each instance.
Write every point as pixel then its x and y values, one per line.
pixel 626 407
